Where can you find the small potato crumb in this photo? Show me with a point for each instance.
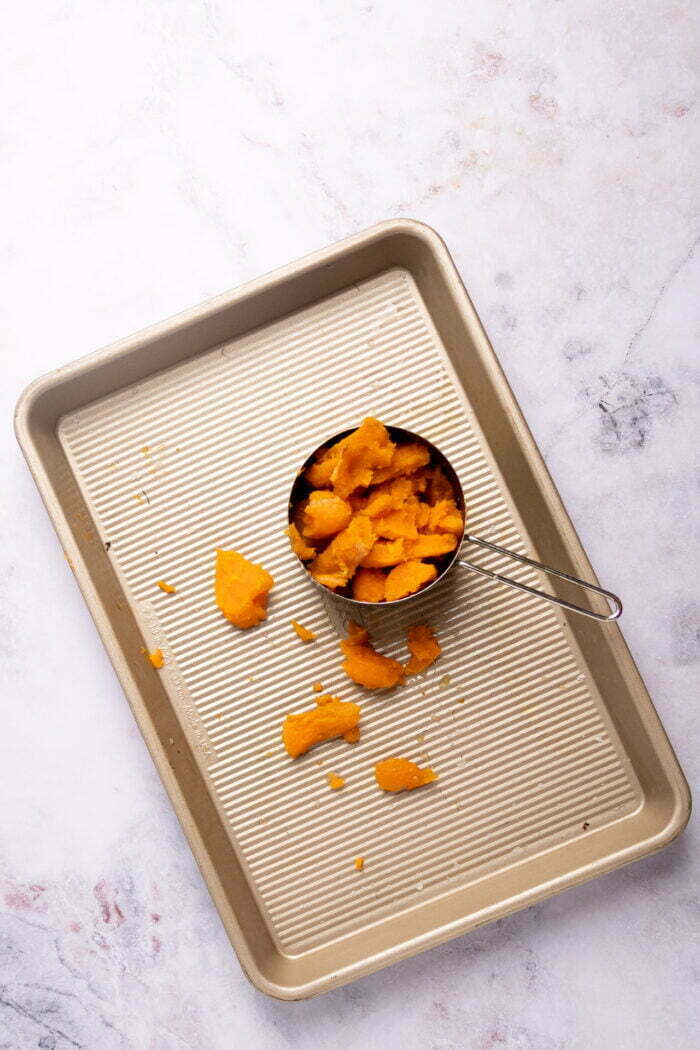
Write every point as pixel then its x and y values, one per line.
pixel 167 587
pixel 302 632
pixel 317 687
pixel 335 783
pixel 156 657
pixel 359 863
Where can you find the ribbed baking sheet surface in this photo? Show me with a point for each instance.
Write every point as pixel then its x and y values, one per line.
pixel 203 456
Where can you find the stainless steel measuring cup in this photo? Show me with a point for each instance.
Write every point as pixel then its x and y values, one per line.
pixel 300 490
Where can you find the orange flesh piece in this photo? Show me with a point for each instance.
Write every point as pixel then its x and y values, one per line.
pixel 241 589
pixel 324 515
pixel 302 632
pixel 334 566
pixel 423 647
pixel 335 783
pixel 361 453
pixel 406 460
pixel 368 585
pixel 383 554
pixel 398 524
pixel 431 545
pixel 317 687
pixel 319 473
pixel 330 718
pixel 399 774
pixel 299 545
pixel 445 517
pixel 365 665
pixel 165 587
pixel 408 578
pixel 359 863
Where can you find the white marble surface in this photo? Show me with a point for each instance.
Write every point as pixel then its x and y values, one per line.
pixel 155 154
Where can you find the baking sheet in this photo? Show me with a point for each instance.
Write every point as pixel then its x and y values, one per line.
pixel 542 776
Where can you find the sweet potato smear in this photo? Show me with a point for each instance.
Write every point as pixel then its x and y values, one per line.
pixel 330 718
pixel 365 665
pixel 400 774
pixel 423 647
pixel 408 578
pixel 369 503
pixel 241 589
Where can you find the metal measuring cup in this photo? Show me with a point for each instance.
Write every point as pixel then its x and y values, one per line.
pixel 301 488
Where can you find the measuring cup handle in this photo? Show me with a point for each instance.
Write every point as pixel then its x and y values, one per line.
pixel 608 595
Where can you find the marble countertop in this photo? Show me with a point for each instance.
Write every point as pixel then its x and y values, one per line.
pixel 157 154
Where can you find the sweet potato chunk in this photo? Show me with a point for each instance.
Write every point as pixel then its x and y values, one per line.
pixel 407 459
pixel 402 523
pixel 399 774
pixel 361 453
pixel 299 545
pixel 365 665
pixel 384 554
pixel 319 473
pixel 431 545
pixel 408 578
pixel 368 585
pixel 446 517
pixel 423 647
pixel 324 514
pixel 330 718
pixel 438 486
pixel 334 566
pixel 241 589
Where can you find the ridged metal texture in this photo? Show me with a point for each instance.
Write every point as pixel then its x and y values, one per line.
pixel 203 456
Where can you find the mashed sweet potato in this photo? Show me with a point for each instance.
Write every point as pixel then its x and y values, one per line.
pixel 369 507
